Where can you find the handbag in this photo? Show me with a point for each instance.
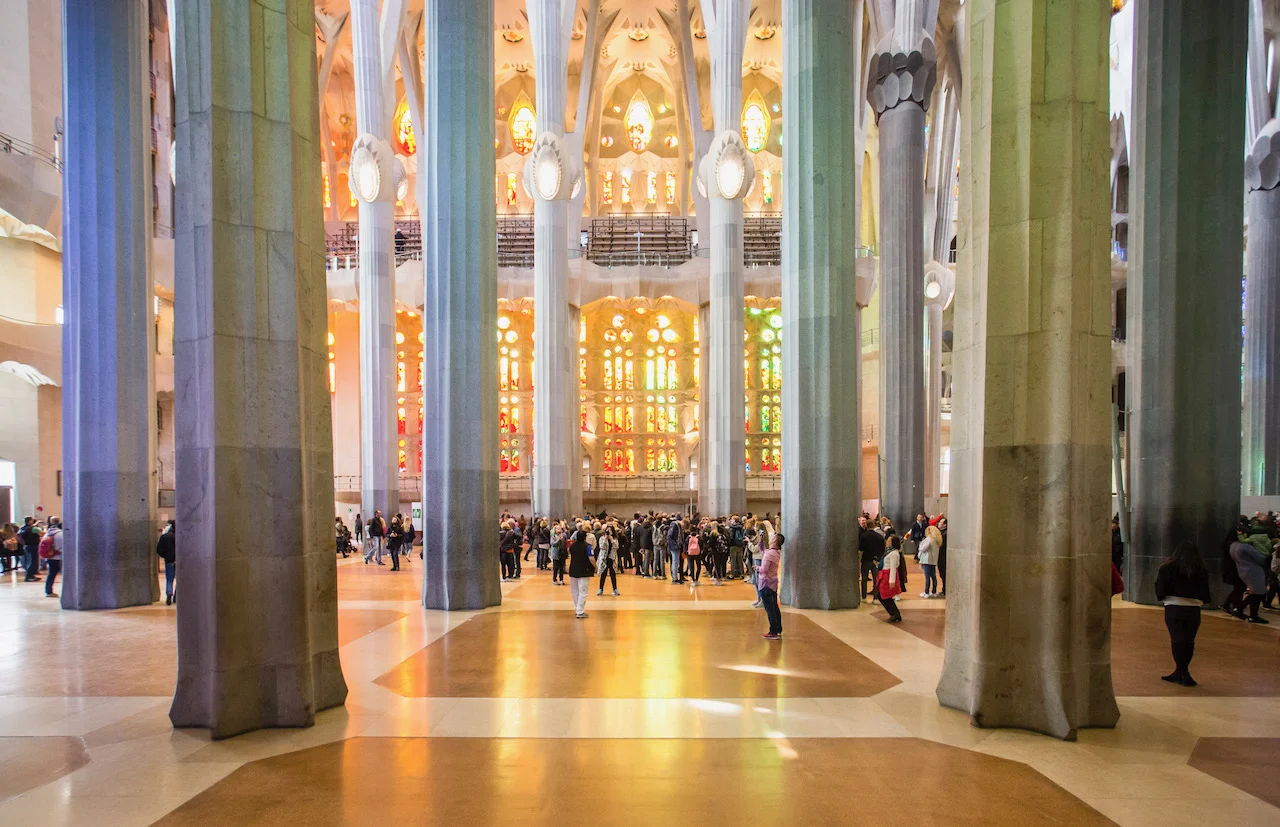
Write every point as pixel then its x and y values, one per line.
pixel 884 588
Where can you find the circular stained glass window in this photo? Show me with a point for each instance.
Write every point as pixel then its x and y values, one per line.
pixel 768 335
pixel 653 334
pixel 503 323
pixel 611 335
pixel 619 320
pixel 668 335
pixel 512 336
pixel 664 322
pixel 627 335
pixel 775 321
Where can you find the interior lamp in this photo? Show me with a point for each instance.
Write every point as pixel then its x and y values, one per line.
pixel 546 175
pixel 366 176
pixel 932 290
pixel 729 176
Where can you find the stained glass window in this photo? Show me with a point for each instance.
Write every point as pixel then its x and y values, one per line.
pixel 333 378
pixel 649 461
pixel 400 426
pixel 651 185
pixel 626 188
pixel 328 193
pixel 511 189
pixel 402 461
pixel 638 123
pixel 582 372
pixel 671 188
pixel 606 188
pixel 524 126
pixel 673 464
pixel 672 421
pixel 767 182
pixel 515 460
pixel 662 373
pixel 608 375
pixel 648 374
pixel 608 420
pixel 504 373
pixel 671 374
pixel 649 421
pixel 402 123
pixel 631 378
pixel 515 375
pixel 400 378
pixel 755 123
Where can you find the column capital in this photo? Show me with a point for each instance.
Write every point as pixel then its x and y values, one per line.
pixel 552 173
pixel 900 75
pixel 1262 165
pixel 727 170
pixel 376 174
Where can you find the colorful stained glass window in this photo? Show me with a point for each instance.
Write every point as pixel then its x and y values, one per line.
pixel 671 189
pixel 606 187
pixel 333 378
pixel 662 373
pixel 523 125
pixel 651 185
pixel 671 374
pixel 400 377
pixel 649 420
pixel 672 421
pixel 403 461
pixel 608 420
pixel 631 377
pixel 626 188
pixel 608 375
pixel 515 460
pixel 400 423
pixel 767 186
pixel 776 363
pixel 608 459
pixel 631 460
pixel 402 125
pixel 649 461
pixel 511 189
pixel 673 464
pixel 639 123
pixel 755 123
pixel 328 193
pixel 515 375
pixel 582 372
pixel 582 413
pixel 504 373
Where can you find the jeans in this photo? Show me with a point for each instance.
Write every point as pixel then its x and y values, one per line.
pixel 170 572
pixel 646 562
pixel 869 571
pixel 508 564
pixel 930 578
pixel 659 555
pixel 735 561
pixel 770 599
pixel 1183 622
pixel 578 588
pixel 675 568
pixel 557 570
pixel 395 558
pixel 544 555
pixel 695 567
pixel 613 576
pixel 31 560
pixel 374 546
pixel 55 566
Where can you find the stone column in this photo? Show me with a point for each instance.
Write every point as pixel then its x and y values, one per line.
pixel 724 425
pixel 379 468
pixel 108 341
pixel 821 446
pixel 939 287
pixel 258 620
pixel 1029 610
pixel 899 88
pixel 1261 409
pixel 704 322
pixel 1184 282
pixel 460 311
pixel 555 348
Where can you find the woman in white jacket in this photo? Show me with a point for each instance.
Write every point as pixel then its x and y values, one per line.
pixel 892 564
pixel 607 559
pixel 927 556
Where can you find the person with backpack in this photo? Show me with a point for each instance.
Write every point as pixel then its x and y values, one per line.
pixel 607 559
pixel 675 543
pixel 29 534
pixel 737 541
pixel 166 550
pixel 51 553
pixel 658 546
pixel 693 554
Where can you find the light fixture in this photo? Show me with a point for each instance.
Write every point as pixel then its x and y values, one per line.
pixel 547 176
pixel 370 168
pixel 729 163
pixel 932 290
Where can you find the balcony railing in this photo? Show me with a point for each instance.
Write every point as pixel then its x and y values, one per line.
pixel 12 146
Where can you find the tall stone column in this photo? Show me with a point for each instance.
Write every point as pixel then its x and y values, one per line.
pixel 726 22
pixel 939 287
pixel 379 469
pixel 1029 610
pixel 1261 409
pixel 821 444
pixel 704 323
pixel 555 359
pixel 258 620
pixel 108 341
pixel 899 88
pixel 1184 282
pixel 460 311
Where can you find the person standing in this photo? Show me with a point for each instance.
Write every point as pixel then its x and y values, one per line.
pixel 770 565
pixel 166 550
pixel 377 537
pixel 607 559
pixel 559 553
pixel 359 530
pixel 507 550
pixel 395 537
pixel 1182 584
pixel 915 535
pixel 870 550
pixel 581 568
pixel 942 554
pixel 927 554
pixel 737 539
pixel 890 582
pixel 406 542
pixel 676 531
pixel 1252 567
pixel 29 534
pixel 54 554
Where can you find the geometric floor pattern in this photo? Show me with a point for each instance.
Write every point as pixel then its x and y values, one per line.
pixel 664 706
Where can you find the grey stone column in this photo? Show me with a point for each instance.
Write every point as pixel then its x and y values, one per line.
pixel 704 320
pixel 726 473
pixel 1029 603
pixel 460 311
pixel 575 423
pixel 939 287
pixel 899 88
pixel 821 445
pixel 108 341
pixel 258 619
pixel 1185 263
pixel 379 468
pixel 1261 409
pixel 555 361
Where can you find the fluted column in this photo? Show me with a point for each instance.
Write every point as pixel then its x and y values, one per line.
pixel 555 360
pixel 379 477
pixel 1261 409
pixel 939 287
pixel 258 619
pixel 821 446
pixel 460 311
pixel 899 88
pixel 108 350
pixel 1029 604
pixel 724 425
pixel 1184 282
pixel 704 324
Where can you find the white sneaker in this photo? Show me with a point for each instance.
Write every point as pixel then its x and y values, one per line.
pixel 925 595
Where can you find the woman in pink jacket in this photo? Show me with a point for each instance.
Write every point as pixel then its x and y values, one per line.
pixel 768 577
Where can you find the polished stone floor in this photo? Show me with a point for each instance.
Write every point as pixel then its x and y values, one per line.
pixel 665 706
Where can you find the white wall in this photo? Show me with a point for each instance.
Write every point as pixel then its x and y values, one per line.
pixel 20 440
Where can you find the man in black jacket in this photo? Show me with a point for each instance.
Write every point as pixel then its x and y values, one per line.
pixel 166 550
pixel 871 549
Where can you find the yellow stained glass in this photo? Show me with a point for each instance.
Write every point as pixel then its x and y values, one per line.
pixel 400 379
pixel 671 374
pixel 672 421
pixel 608 420
pixel 402 124
pixel 631 377
pixel 755 122
pixel 651 184
pixel 523 126
pixel 333 378
pixel 671 188
pixel 648 459
pixel 511 189
pixel 626 188
pixel 649 421
pixel 504 373
pixel 606 188
pixel 639 123
pixel 515 375
pixel 767 182
pixel 608 375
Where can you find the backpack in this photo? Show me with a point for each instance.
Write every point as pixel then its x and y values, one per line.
pixel 46 547
pixel 693 550
pixel 737 536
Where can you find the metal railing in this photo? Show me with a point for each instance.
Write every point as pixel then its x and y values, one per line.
pixel 13 146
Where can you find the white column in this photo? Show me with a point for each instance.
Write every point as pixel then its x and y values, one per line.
pixel 939 287
pixel 379 483
pixel 821 446
pixel 726 485
pixel 555 355
pixel 108 399
pixel 460 310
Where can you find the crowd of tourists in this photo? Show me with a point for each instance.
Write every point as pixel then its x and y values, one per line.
pixel 35 548
pixel 375 537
